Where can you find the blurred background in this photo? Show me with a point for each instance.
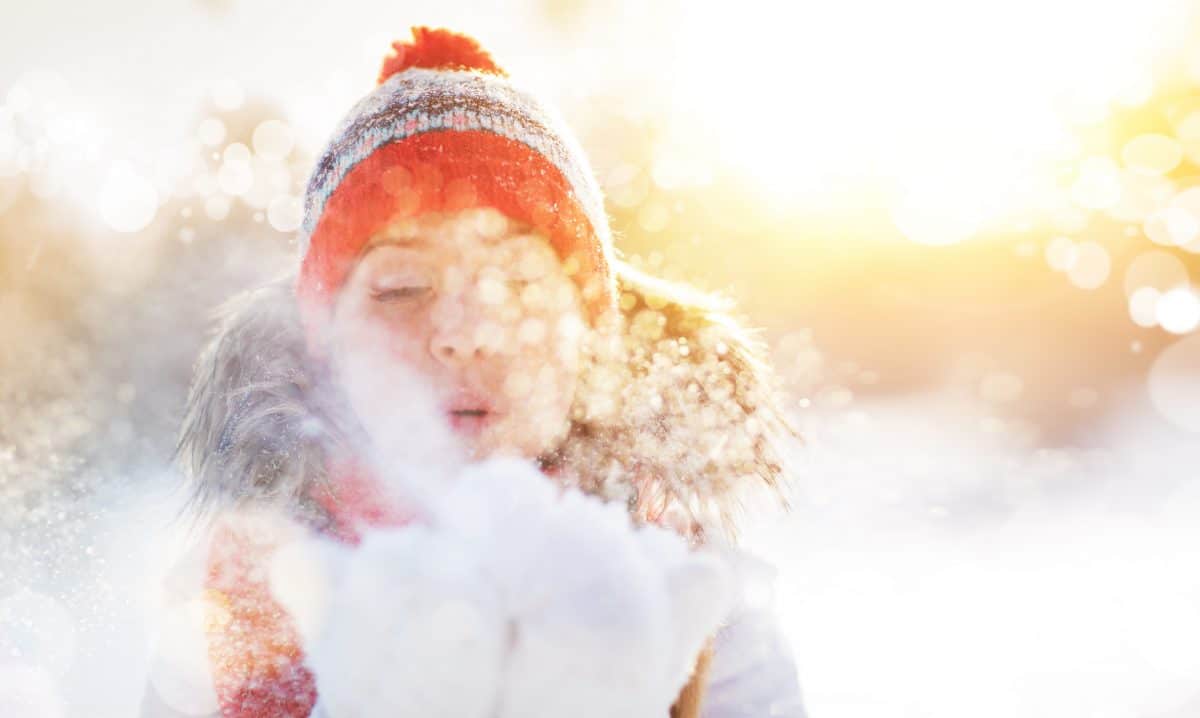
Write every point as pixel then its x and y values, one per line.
pixel 970 232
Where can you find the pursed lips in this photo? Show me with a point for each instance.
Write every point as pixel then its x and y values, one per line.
pixel 469 413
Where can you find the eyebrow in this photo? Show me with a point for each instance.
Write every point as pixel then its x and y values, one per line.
pixel 385 241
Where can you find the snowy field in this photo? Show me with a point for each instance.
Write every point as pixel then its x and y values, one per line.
pixel 930 572
pixel 928 568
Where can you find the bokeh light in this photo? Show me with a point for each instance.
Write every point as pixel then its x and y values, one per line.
pixel 37 630
pixel 1178 310
pixel 1174 385
pixel 180 674
pixel 127 201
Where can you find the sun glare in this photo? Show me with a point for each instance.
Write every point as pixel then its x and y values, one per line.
pixel 960 113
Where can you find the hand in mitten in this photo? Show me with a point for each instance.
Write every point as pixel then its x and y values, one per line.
pixel 608 619
pixel 409 627
pixel 517 600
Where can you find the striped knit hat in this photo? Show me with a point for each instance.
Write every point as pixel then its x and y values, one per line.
pixel 445 130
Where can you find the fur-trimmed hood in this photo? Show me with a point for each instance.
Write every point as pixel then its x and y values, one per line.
pixel 685 400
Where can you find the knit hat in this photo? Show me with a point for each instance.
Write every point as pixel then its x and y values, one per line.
pixel 445 130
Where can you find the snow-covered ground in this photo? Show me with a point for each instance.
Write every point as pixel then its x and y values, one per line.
pixel 928 570
pixel 929 567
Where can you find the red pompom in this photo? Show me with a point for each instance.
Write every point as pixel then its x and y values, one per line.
pixel 438 48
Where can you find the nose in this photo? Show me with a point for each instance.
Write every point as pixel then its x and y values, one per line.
pixel 466 341
pixel 453 349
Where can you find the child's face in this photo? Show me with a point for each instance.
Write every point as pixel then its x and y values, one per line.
pixel 482 310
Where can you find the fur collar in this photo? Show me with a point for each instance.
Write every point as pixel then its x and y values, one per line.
pixel 685 399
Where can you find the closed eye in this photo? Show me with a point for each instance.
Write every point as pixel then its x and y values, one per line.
pixel 400 294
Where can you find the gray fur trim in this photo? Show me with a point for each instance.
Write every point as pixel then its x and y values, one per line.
pixel 698 417
pixel 256 427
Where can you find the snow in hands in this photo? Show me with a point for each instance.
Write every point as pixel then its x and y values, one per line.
pixel 515 599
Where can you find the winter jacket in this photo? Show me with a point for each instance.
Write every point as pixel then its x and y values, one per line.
pixel 263 429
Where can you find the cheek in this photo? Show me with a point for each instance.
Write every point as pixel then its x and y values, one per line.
pixel 540 388
pixel 379 364
pixel 364 335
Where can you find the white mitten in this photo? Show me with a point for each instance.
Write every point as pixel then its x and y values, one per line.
pixel 609 619
pixel 700 586
pixel 411 628
pixel 517 600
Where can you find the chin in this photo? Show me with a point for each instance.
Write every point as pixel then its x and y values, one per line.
pixel 494 444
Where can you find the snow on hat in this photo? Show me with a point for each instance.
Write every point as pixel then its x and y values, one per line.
pixel 445 130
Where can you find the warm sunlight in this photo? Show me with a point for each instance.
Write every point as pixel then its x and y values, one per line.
pixel 960 112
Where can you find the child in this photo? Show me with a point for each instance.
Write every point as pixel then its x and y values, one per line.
pixel 454 232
